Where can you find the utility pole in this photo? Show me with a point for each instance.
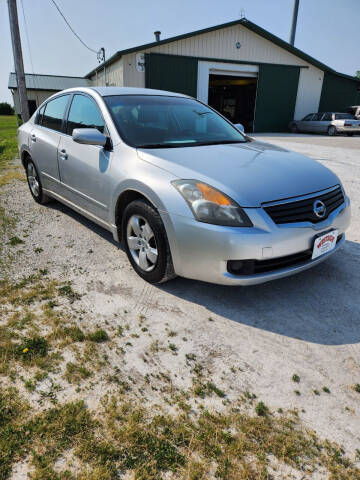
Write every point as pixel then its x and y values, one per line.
pixel 294 22
pixel 18 60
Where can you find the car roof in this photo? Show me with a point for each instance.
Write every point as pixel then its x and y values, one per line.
pixel 106 91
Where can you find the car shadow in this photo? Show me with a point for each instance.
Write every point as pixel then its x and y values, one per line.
pixel 94 227
pixel 320 305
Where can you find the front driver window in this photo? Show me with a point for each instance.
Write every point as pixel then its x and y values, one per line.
pixel 84 113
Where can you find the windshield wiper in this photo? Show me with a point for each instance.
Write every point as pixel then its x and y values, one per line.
pixel 218 142
pixel 163 145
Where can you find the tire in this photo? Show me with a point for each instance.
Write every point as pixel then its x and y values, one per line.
pixel 350 134
pixel 144 234
pixel 332 131
pixel 294 128
pixel 34 183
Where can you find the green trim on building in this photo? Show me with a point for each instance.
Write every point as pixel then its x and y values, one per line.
pixel 244 22
pixel 276 97
pixel 338 93
pixel 171 72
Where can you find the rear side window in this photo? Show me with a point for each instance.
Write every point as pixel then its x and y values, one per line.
pixel 344 116
pixel 318 116
pixel 328 117
pixel 39 116
pixel 54 113
pixel 308 117
pixel 84 113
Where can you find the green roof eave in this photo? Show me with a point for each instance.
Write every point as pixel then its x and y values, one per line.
pixel 243 21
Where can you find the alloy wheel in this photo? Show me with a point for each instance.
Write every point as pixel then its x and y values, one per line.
pixel 33 179
pixel 141 242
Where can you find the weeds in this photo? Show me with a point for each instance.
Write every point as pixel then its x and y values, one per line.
pixel 98 336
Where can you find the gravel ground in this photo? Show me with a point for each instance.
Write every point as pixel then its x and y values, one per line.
pixel 250 339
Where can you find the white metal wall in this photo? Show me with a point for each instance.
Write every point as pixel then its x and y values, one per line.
pixel 309 91
pixel 114 75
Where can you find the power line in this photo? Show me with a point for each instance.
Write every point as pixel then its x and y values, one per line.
pixel 29 49
pixel 27 36
pixel 73 31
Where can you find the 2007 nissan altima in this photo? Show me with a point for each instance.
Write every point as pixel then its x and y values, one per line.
pixel 185 191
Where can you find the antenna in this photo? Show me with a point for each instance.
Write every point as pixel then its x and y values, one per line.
pixel 242 13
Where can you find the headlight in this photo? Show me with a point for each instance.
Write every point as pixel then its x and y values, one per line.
pixel 211 206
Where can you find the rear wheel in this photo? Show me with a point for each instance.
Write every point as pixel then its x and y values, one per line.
pixel 350 134
pixel 146 243
pixel 34 183
pixel 294 128
pixel 332 131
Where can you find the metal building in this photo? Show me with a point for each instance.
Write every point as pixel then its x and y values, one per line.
pixel 242 70
pixel 40 87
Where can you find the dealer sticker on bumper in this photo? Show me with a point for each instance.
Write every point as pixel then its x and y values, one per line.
pixel 325 243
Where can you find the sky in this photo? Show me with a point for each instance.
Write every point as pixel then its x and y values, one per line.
pixel 328 30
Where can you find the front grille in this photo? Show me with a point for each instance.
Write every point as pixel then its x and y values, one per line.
pixel 303 210
pixel 253 267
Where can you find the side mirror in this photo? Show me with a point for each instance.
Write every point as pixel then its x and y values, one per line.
pixel 89 136
pixel 240 127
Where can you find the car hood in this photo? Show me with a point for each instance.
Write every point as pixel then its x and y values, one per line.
pixel 251 173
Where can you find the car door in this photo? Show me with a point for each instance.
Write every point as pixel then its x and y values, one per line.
pixel 303 125
pixel 326 121
pixel 84 169
pixel 316 122
pixel 45 138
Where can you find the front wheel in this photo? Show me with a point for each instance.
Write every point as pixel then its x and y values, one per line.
pixel 350 134
pixel 146 243
pixel 34 183
pixel 332 131
pixel 294 128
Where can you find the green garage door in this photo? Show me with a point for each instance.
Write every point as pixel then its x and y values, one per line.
pixel 170 72
pixel 276 97
pixel 338 93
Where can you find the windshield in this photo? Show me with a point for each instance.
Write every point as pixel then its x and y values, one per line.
pixel 151 121
pixel 344 116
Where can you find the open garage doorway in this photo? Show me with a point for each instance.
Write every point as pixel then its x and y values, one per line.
pixel 234 97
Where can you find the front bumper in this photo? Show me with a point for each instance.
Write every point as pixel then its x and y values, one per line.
pixel 201 251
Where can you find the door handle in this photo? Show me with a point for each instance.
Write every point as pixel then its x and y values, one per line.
pixel 33 138
pixel 63 154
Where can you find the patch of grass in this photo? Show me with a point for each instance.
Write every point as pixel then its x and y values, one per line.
pixel 149 445
pixel 261 409
pixel 98 336
pixel 205 389
pixel 8 140
pixel 32 348
pixel 173 347
pixel 296 378
pixel 356 387
pixel 67 291
pixel 13 241
pixel 74 373
pixel 326 390
pixel 74 332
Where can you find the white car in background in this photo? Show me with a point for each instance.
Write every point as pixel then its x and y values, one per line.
pixel 331 123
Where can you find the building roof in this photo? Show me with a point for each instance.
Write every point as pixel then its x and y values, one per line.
pixel 48 82
pixel 244 22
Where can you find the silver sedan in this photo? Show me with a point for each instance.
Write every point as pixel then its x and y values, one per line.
pixel 185 191
pixel 331 123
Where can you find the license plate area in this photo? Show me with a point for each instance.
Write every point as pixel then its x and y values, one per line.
pixel 324 243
